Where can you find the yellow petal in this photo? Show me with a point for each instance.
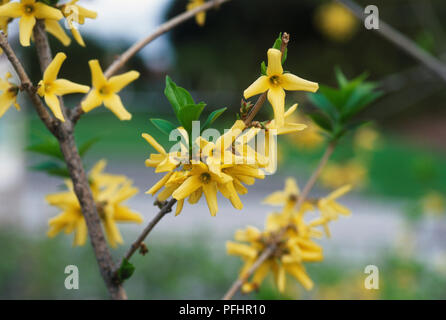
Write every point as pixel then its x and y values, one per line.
pixel 293 83
pixel 261 274
pixel 200 18
pixel 78 37
pixel 5 103
pixel 117 83
pixel 53 27
pixel 187 187
pixel 298 272
pixel 51 72
pixel 277 198
pixel 124 214
pixel 93 100
pixel 259 86
pixel 274 63
pixel 53 103
pixel 112 232
pixel 63 87
pixel 80 236
pixel 195 196
pixel 276 97
pixel 42 11
pixel 238 249
pixel 97 76
pixel 281 279
pixel 153 143
pixel 339 192
pixel 291 187
pixel 210 192
pixel 179 207
pixel 159 184
pixel 26 25
pixel 11 10
pixel 114 103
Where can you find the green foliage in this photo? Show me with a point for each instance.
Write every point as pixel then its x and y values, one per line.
pixel 185 109
pixel 338 107
pixel 126 270
pixel 56 166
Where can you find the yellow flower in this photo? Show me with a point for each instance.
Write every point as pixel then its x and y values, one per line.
pixel 366 138
pixel 53 27
pixel 200 18
pixel 77 14
pixel 330 209
pixel 162 161
pixel 51 88
pixel 4 22
pixel 336 22
pixel 353 173
pixel 280 198
pixel 9 95
pixel 275 82
pixel 105 91
pixel 29 11
pixel 310 138
pixel 108 192
pixel 200 177
pixel 288 127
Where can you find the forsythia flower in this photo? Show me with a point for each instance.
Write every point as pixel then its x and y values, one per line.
pixel 109 191
pixel 51 88
pixel 215 170
pixel 9 95
pixel 353 173
pixel 106 91
pixel 29 11
pixel 336 22
pixel 275 82
pixel 200 18
pixel 53 27
pixel 4 22
pixel 291 236
pixel 77 14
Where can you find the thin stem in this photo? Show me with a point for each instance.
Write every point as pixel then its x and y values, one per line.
pixel 261 100
pixel 134 49
pixel 135 245
pixel 269 251
pixel 401 41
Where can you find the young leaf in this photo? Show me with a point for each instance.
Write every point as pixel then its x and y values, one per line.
pixel 263 68
pixel 126 270
pixel 340 77
pixel 52 168
pixel 321 102
pixel 212 117
pixel 190 113
pixel 48 148
pixel 164 126
pixel 177 96
pixel 86 146
pixel 322 120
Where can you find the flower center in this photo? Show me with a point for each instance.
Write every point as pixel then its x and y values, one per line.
pixel 205 178
pixel 275 80
pixel 104 91
pixel 14 90
pixel 29 8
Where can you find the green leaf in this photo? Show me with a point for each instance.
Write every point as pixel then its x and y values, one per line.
pixel 177 96
pixel 322 120
pixel 190 113
pixel 126 270
pixel 263 68
pixel 321 102
pixel 164 126
pixel 86 146
pixel 212 117
pixel 52 168
pixel 340 77
pixel 48 148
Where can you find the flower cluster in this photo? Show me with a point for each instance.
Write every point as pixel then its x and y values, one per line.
pixel 290 236
pixel 9 94
pixel 30 10
pixel 109 192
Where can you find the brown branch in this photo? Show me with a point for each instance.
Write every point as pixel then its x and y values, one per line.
pixel 401 41
pixel 26 84
pixel 134 49
pixel 269 251
pixel 135 245
pixel 261 100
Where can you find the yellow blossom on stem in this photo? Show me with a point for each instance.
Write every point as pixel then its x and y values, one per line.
pixel 109 192
pixel 289 126
pixel 200 18
pixel 106 91
pixel 29 11
pixel 353 172
pixel 51 88
pixel 53 27
pixel 275 82
pixel 8 97
pixel 4 22
pixel 76 14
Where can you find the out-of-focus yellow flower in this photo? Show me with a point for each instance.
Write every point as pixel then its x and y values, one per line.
pixel 275 82
pixel 336 22
pixel 8 96
pixel 109 192
pixel 76 14
pixel 106 91
pixel 28 11
pixel 434 203
pixel 366 138
pixel 353 173
pixel 288 234
pixel 330 209
pixel 200 18
pixel 310 138
pixel 4 22
pixel 51 88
